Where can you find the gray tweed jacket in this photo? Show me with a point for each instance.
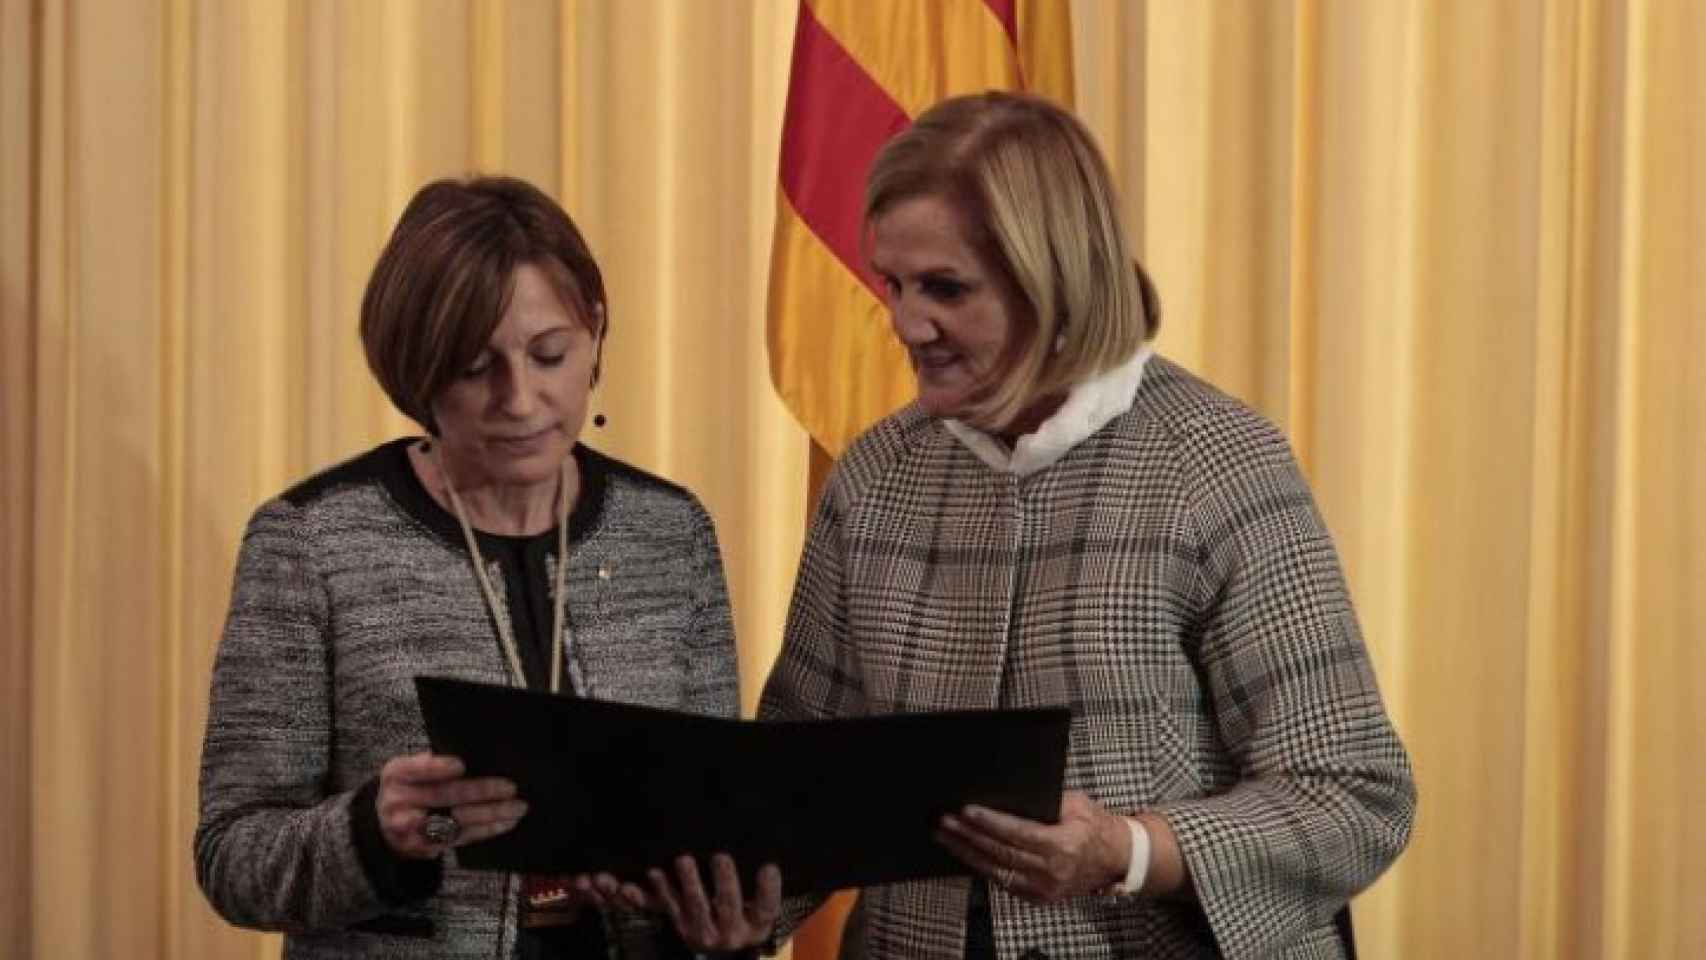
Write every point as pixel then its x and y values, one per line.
pixel 1170 580
pixel 348 586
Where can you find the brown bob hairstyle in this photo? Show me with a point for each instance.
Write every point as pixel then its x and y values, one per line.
pixel 1040 210
pixel 445 278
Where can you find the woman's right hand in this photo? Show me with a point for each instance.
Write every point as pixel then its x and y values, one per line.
pixel 413 787
pixel 721 921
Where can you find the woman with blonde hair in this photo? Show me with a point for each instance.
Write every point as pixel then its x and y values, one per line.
pixel 1065 518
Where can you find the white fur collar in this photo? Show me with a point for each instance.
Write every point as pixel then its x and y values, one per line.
pixel 1088 407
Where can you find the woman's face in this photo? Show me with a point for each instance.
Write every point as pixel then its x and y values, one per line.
pixel 954 315
pixel 511 417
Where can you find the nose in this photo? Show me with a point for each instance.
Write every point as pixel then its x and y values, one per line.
pixel 911 319
pixel 515 392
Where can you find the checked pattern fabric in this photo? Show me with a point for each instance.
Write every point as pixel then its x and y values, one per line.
pixel 1171 581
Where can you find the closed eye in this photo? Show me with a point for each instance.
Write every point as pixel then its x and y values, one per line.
pixel 944 289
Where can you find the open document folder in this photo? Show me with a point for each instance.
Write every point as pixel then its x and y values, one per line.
pixel 842 803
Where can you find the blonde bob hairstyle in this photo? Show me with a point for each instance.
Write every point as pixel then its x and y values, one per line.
pixel 1040 210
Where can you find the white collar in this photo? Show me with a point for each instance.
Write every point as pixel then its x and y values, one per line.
pixel 1088 407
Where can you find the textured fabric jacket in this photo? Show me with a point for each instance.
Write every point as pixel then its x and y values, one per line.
pixel 347 587
pixel 1169 579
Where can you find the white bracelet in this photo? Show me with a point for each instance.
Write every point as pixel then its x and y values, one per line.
pixel 1138 868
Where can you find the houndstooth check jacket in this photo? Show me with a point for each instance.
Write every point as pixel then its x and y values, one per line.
pixel 1170 580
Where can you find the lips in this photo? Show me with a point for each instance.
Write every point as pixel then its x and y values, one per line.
pixel 524 440
pixel 934 360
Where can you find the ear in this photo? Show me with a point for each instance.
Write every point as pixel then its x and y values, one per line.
pixel 600 326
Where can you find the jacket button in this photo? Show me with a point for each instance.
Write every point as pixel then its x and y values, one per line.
pixel 1033 954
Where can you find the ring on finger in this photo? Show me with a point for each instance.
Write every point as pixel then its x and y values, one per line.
pixel 440 828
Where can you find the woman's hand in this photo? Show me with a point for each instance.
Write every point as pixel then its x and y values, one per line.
pixel 416 786
pixel 725 921
pixel 1085 852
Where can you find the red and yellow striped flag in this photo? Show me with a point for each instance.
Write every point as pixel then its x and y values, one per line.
pixel 861 70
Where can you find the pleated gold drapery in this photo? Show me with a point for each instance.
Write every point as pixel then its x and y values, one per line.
pixel 1455 249
pixel 188 234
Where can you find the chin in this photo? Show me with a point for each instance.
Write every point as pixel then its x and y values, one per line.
pixel 536 466
pixel 944 407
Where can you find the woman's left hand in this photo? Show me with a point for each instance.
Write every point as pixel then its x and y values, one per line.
pixel 1082 854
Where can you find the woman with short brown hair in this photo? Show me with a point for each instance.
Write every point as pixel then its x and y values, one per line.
pixel 496 548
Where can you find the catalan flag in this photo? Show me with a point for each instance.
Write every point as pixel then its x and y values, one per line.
pixel 862 69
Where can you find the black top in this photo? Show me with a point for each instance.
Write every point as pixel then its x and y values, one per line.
pixel 525 572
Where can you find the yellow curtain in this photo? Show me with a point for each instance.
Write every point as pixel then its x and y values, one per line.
pixel 194 193
pixel 1456 249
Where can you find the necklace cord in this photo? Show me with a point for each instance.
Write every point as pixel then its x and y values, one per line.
pixel 506 633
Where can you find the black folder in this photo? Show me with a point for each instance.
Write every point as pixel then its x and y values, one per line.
pixel 617 788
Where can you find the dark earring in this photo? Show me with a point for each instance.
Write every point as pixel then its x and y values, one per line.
pixel 597 418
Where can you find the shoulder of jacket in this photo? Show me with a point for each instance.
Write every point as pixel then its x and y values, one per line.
pixel 875 453
pixel 1212 432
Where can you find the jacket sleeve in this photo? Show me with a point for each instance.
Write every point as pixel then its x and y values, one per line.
pixel 273 849
pixel 1325 799
pixel 816 675
pixel 713 668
